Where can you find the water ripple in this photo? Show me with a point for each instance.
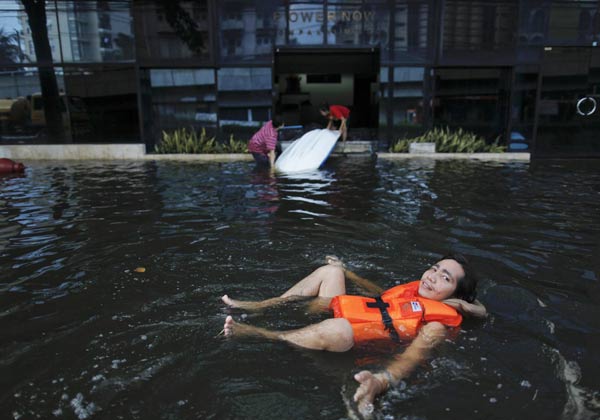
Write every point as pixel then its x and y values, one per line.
pixel 110 277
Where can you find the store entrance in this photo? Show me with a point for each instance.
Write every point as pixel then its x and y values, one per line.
pixel 305 78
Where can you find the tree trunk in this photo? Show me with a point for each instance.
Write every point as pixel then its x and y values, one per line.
pixel 36 13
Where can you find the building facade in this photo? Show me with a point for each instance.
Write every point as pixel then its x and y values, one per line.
pixel 523 73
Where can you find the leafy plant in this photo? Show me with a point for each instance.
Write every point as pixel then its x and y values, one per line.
pixel 401 145
pixel 447 141
pixel 234 146
pixel 183 140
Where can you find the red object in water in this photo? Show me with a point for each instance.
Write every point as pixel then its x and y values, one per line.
pixel 8 166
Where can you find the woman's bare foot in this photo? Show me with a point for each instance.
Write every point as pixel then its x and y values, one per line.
pixel 249 305
pixel 245 304
pixel 229 326
pixel 230 302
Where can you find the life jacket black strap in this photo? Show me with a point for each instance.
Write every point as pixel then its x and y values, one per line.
pixel 385 317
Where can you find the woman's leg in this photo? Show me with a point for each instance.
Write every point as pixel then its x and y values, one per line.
pixel 333 334
pixel 325 282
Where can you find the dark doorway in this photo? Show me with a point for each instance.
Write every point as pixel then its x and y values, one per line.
pixel 304 78
pixel 364 113
pixel 568 123
pixel 474 99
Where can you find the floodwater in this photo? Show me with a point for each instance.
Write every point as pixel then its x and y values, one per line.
pixel 85 335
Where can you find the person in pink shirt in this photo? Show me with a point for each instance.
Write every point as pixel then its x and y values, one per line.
pixel 336 113
pixel 263 143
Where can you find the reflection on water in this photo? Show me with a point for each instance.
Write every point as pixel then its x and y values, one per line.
pixel 86 335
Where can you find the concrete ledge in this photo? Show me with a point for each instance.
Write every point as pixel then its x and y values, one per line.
pixel 416 148
pixel 209 157
pixel 137 151
pixel 74 151
pixel 525 157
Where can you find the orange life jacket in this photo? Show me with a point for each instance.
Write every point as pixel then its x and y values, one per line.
pixel 398 313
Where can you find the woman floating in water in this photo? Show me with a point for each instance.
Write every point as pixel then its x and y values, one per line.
pixel 423 311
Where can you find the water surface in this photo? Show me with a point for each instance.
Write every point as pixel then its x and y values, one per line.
pixel 85 335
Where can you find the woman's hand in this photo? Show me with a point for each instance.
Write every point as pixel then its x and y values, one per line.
pixel 370 386
pixel 403 364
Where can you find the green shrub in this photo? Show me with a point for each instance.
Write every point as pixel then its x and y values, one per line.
pixel 183 140
pixel 401 145
pixel 447 141
pixel 235 146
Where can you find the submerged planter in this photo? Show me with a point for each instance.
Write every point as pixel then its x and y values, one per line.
pixel 421 148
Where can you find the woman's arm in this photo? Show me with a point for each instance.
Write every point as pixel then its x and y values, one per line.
pixel 475 309
pixel 373 384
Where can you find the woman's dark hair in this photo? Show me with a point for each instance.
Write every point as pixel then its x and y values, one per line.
pixel 277 121
pixel 466 288
pixel 324 107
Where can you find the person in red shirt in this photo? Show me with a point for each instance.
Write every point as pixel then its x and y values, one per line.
pixel 336 113
pixel 263 143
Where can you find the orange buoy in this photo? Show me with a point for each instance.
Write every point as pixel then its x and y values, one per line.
pixel 8 166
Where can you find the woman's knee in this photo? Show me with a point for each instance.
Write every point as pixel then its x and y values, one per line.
pixel 333 279
pixel 338 335
pixel 330 269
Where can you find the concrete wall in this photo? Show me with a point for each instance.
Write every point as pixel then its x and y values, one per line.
pixel 74 151
pixel 138 152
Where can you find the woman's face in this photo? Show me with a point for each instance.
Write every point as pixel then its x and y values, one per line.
pixel 440 281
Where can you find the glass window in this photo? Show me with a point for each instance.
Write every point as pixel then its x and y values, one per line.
pixel 408 96
pixel 405 98
pixel 559 23
pixel 93 104
pixel 17 38
pixel 180 98
pixel 96 31
pixel 344 21
pixel 245 99
pixel 567 115
pixel 175 30
pixel 523 109
pixel 306 24
pixel 244 79
pixel 573 23
pixel 404 112
pixel 479 26
pixel 411 30
pixel 22 118
pixel 102 103
pixel 474 99
pixel 250 29
pixel 385 127
pixel 354 23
